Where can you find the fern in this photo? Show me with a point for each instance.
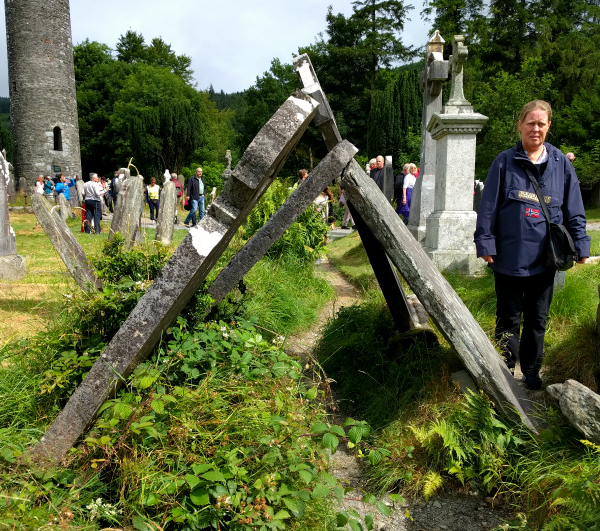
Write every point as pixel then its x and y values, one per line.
pixel 432 482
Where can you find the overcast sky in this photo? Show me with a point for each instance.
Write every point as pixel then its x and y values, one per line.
pixel 230 41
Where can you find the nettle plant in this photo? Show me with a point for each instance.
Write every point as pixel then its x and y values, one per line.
pixel 218 430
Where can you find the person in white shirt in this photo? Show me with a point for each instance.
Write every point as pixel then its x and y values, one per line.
pixel 93 193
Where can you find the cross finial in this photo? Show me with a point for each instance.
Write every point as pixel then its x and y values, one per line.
pixel 457 102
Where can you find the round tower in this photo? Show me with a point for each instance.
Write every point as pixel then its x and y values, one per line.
pixel 43 105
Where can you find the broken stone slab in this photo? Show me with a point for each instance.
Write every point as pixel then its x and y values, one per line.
pixel 580 406
pixel 65 243
pixel 64 207
pixel 127 215
pixel 196 255
pixel 442 303
pixel 327 170
pixel 165 221
pixel 402 311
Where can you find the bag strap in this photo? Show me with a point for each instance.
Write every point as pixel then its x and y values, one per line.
pixel 539 193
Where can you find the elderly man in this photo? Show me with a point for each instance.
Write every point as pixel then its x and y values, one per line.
pixel 377 172
pixel 93 192
pixel 195 194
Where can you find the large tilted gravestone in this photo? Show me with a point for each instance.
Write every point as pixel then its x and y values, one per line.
pixel 197 254
pixel 432 78
pixel 64 207
pixel 12 265
pixel 326 171
pixel 442 303
pixel 128 211
pixel 403 311
pixel 65 243
pixel 450 227
pixel 165 221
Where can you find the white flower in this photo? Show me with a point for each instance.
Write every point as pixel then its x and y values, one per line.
pixel 225 335
pixel 223 329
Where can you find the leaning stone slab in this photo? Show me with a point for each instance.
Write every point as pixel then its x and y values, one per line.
pixel 64 207
pixel 165 223
pixel 437 296
pixel 580 406
pixel 327 170
pixel 127 215
pixel 197 254
pixel 65 243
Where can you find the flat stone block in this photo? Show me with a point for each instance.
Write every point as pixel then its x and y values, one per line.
pixel 12 268
pixel 451 230
pixel 465 263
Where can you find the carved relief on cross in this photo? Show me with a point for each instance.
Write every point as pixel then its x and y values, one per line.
pixel 457 103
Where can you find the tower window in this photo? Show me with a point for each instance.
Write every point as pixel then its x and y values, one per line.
pixel 57 139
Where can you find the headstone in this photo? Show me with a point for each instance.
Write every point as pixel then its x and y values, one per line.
pixel 450 227
pixel 165 222
pixel 580 406
pixel 170 292
pixel 64 207
pixel 464 381
pixel 10 187
pixel 127 215
pixel 402 311
pixel 65 243
pixel 442 303
pixel 432 78
pixel 79 187
pixel 23 187
pixel 227 171
pixel 559 281
pixel 74 199
pixel 388 178
pixel 12 265
pixel 477 192
pixel 326 171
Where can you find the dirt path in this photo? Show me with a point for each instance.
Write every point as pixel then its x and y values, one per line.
pixel 452 512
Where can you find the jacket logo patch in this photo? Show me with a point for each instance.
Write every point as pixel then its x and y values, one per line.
pixel 532 213
pixel 530 196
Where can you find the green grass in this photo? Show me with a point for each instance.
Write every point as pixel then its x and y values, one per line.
pixel 592 214
pixel 595 246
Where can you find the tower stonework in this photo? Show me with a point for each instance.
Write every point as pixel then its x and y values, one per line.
pixel 43 105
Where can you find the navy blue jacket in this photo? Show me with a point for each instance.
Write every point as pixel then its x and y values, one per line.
pixel 511 226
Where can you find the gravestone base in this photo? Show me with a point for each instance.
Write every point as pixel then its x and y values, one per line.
pixel 12 267
pixel 450 242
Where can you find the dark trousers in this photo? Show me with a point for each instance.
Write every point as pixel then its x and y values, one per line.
pixel 529 297
pixel 93 211
pixel 108 201
pixel 154 204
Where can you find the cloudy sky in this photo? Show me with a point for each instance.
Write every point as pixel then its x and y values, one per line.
pixel 230 41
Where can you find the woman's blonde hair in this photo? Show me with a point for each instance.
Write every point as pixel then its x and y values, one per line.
pixel 536 105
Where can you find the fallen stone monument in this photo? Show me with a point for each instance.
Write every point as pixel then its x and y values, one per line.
pixel 432 79
pixel 442 303
pixel 450 227
pixel 580 406
pixel 65 243
pixel 403 312
pixel 127 215
pixel 12 265
pixel 197 254
pixel 329 168
pixel 165 221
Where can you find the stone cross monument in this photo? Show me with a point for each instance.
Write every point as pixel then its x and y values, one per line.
pixel 432 78
pixel 450 228
pixel 12 266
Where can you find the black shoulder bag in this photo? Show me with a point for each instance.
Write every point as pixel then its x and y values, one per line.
pixel 561 253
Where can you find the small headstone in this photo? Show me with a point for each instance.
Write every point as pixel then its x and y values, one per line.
pixel 12 265
pixel 580 406
pixel 10 187
pixel 165 223
pixel 478 190
pixel 64 206
pixel 127 215
pixel 79 187
pixel 65 243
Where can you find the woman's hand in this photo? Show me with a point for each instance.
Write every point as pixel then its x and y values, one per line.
pixel 488 259
pixel 582 260
pixel 404 200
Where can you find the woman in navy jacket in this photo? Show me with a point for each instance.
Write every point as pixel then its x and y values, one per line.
pixel 512 234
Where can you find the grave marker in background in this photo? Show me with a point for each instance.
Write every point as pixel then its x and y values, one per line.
pixel 165 221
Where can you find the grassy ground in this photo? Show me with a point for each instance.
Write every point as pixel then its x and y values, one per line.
pixel 592 214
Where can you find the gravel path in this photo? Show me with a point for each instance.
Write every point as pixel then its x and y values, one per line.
pixel 452 512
